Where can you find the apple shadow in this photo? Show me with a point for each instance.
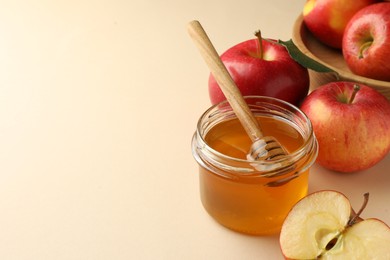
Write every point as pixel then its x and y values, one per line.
pixel 374 180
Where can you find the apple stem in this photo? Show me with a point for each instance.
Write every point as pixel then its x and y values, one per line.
pixel 357 215
pixel 363 48
pixel 260 41
pixel 356 88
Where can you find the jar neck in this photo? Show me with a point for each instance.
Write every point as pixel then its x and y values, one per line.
pixel 231 167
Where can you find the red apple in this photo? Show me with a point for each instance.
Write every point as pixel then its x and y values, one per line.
pixel 366 42
pixel 263 68
pixel 327 19
pixel 351 123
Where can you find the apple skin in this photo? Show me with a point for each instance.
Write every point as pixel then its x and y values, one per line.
pixel 327 19
pixel 366 42
pixel 274 73
pixel 352 137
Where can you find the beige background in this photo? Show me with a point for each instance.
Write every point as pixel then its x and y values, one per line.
pixel 98 104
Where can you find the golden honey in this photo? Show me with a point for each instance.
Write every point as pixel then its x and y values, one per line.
pixel 246 196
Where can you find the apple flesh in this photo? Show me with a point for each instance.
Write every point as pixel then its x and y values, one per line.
pixel 366 42
pixel 263 68
pixel 327 19
pixel 352 125
pixel 323 225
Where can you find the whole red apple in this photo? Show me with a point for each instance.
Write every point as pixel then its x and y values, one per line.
pixel 263 68
pixel 352 124
pixel 366 42
pixel 327 19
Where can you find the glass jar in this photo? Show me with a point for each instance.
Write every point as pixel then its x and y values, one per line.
pixel 247 196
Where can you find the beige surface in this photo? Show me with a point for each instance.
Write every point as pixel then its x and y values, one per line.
pixel 98 103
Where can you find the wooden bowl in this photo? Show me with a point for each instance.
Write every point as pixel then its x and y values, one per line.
pixel 331 58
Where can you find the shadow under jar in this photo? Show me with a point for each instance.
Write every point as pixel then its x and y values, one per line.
pixel 247 196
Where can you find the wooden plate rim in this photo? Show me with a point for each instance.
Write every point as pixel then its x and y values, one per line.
pixel 299 28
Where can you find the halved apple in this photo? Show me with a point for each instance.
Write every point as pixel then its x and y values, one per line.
pixel 324 226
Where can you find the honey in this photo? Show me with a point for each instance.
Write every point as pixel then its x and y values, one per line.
pixel 246 196
pixel 230 138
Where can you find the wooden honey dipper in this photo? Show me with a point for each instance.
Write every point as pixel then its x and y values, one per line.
pixel 263 147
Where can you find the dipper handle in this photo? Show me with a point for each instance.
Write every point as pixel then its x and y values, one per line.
pixel 225 81
pixel 263 148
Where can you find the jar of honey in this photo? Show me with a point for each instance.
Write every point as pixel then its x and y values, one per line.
pixel 247 196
